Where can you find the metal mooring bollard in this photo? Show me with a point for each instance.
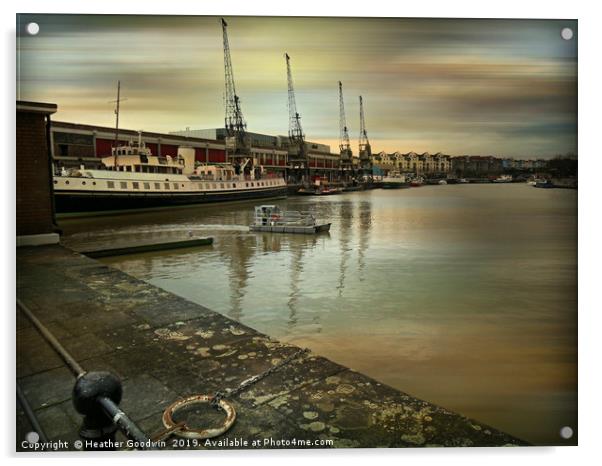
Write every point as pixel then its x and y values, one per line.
pixel 98 429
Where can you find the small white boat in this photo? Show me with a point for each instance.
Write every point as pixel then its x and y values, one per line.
pixel 270 218
pixel 442 182
pixel 503 179
pixel 534 181
pixel 417 182
pixel 394 180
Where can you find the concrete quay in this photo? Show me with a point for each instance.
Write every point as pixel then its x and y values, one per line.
pixel 164 347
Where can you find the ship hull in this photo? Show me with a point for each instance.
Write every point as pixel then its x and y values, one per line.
pixel 81 202
pixel 394 185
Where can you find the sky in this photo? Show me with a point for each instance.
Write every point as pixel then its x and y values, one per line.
pixel 457 86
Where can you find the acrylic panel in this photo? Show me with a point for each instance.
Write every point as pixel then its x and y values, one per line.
pixel 295 232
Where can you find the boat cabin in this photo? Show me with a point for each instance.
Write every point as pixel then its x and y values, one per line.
pixel 220 172
pixel 267 214
pixel 136 157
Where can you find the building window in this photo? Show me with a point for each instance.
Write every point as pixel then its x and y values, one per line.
pixel 175 186
pixel 146 185
pixel 157 185
pixel 123 185
pixel 63 150
pixel 135 185
pixel 111 184
pixel 166 185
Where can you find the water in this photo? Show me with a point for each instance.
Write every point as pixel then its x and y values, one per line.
pixel 463 295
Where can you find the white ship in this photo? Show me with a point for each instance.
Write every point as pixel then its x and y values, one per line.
pixel 394 180
pixel 133 178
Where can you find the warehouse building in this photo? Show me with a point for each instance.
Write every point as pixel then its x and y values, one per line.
pixel 75 144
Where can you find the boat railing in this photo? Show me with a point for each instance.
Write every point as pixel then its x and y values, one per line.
pixel 286 218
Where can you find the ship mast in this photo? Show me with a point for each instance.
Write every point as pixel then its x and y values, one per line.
pixel 116 143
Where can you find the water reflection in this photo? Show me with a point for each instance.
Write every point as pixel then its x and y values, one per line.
pixel 345 223
pixel 237 251
pixel 364 225
pixel 296 271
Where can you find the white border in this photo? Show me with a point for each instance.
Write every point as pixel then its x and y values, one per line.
pixel 589 233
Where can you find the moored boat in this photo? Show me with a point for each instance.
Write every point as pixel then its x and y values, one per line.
pixel 417 182
pixel 271 219
pixel 394 180
pixel 503 179
pixel 133 178
pixel 305 191
pixel 543 184
pixel 533 181
pixel 327 191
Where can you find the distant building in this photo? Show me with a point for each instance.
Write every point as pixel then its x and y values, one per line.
pixel 283 141
pixel 419 164
pixel 511 164
pixel 477 166
pixel 257 139
pixel 272 151
pixel 219 134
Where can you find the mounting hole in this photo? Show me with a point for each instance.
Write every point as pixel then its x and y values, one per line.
pixel 566 33
pixel 32 438
pixel 32 29
pixel 566 432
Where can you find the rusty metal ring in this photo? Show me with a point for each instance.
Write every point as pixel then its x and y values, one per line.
pixel 186 431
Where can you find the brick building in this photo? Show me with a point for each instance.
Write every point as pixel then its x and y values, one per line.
pixel 34 209
pixel 420 164
pixel 74 144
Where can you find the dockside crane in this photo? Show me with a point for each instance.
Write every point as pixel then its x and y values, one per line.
pixel 237 140
pixel 344 145
pixel 297 152
pixel 365 151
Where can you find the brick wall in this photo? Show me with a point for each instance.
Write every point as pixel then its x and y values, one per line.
pixel 73 150
pixel 215 155
pixel 34 198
